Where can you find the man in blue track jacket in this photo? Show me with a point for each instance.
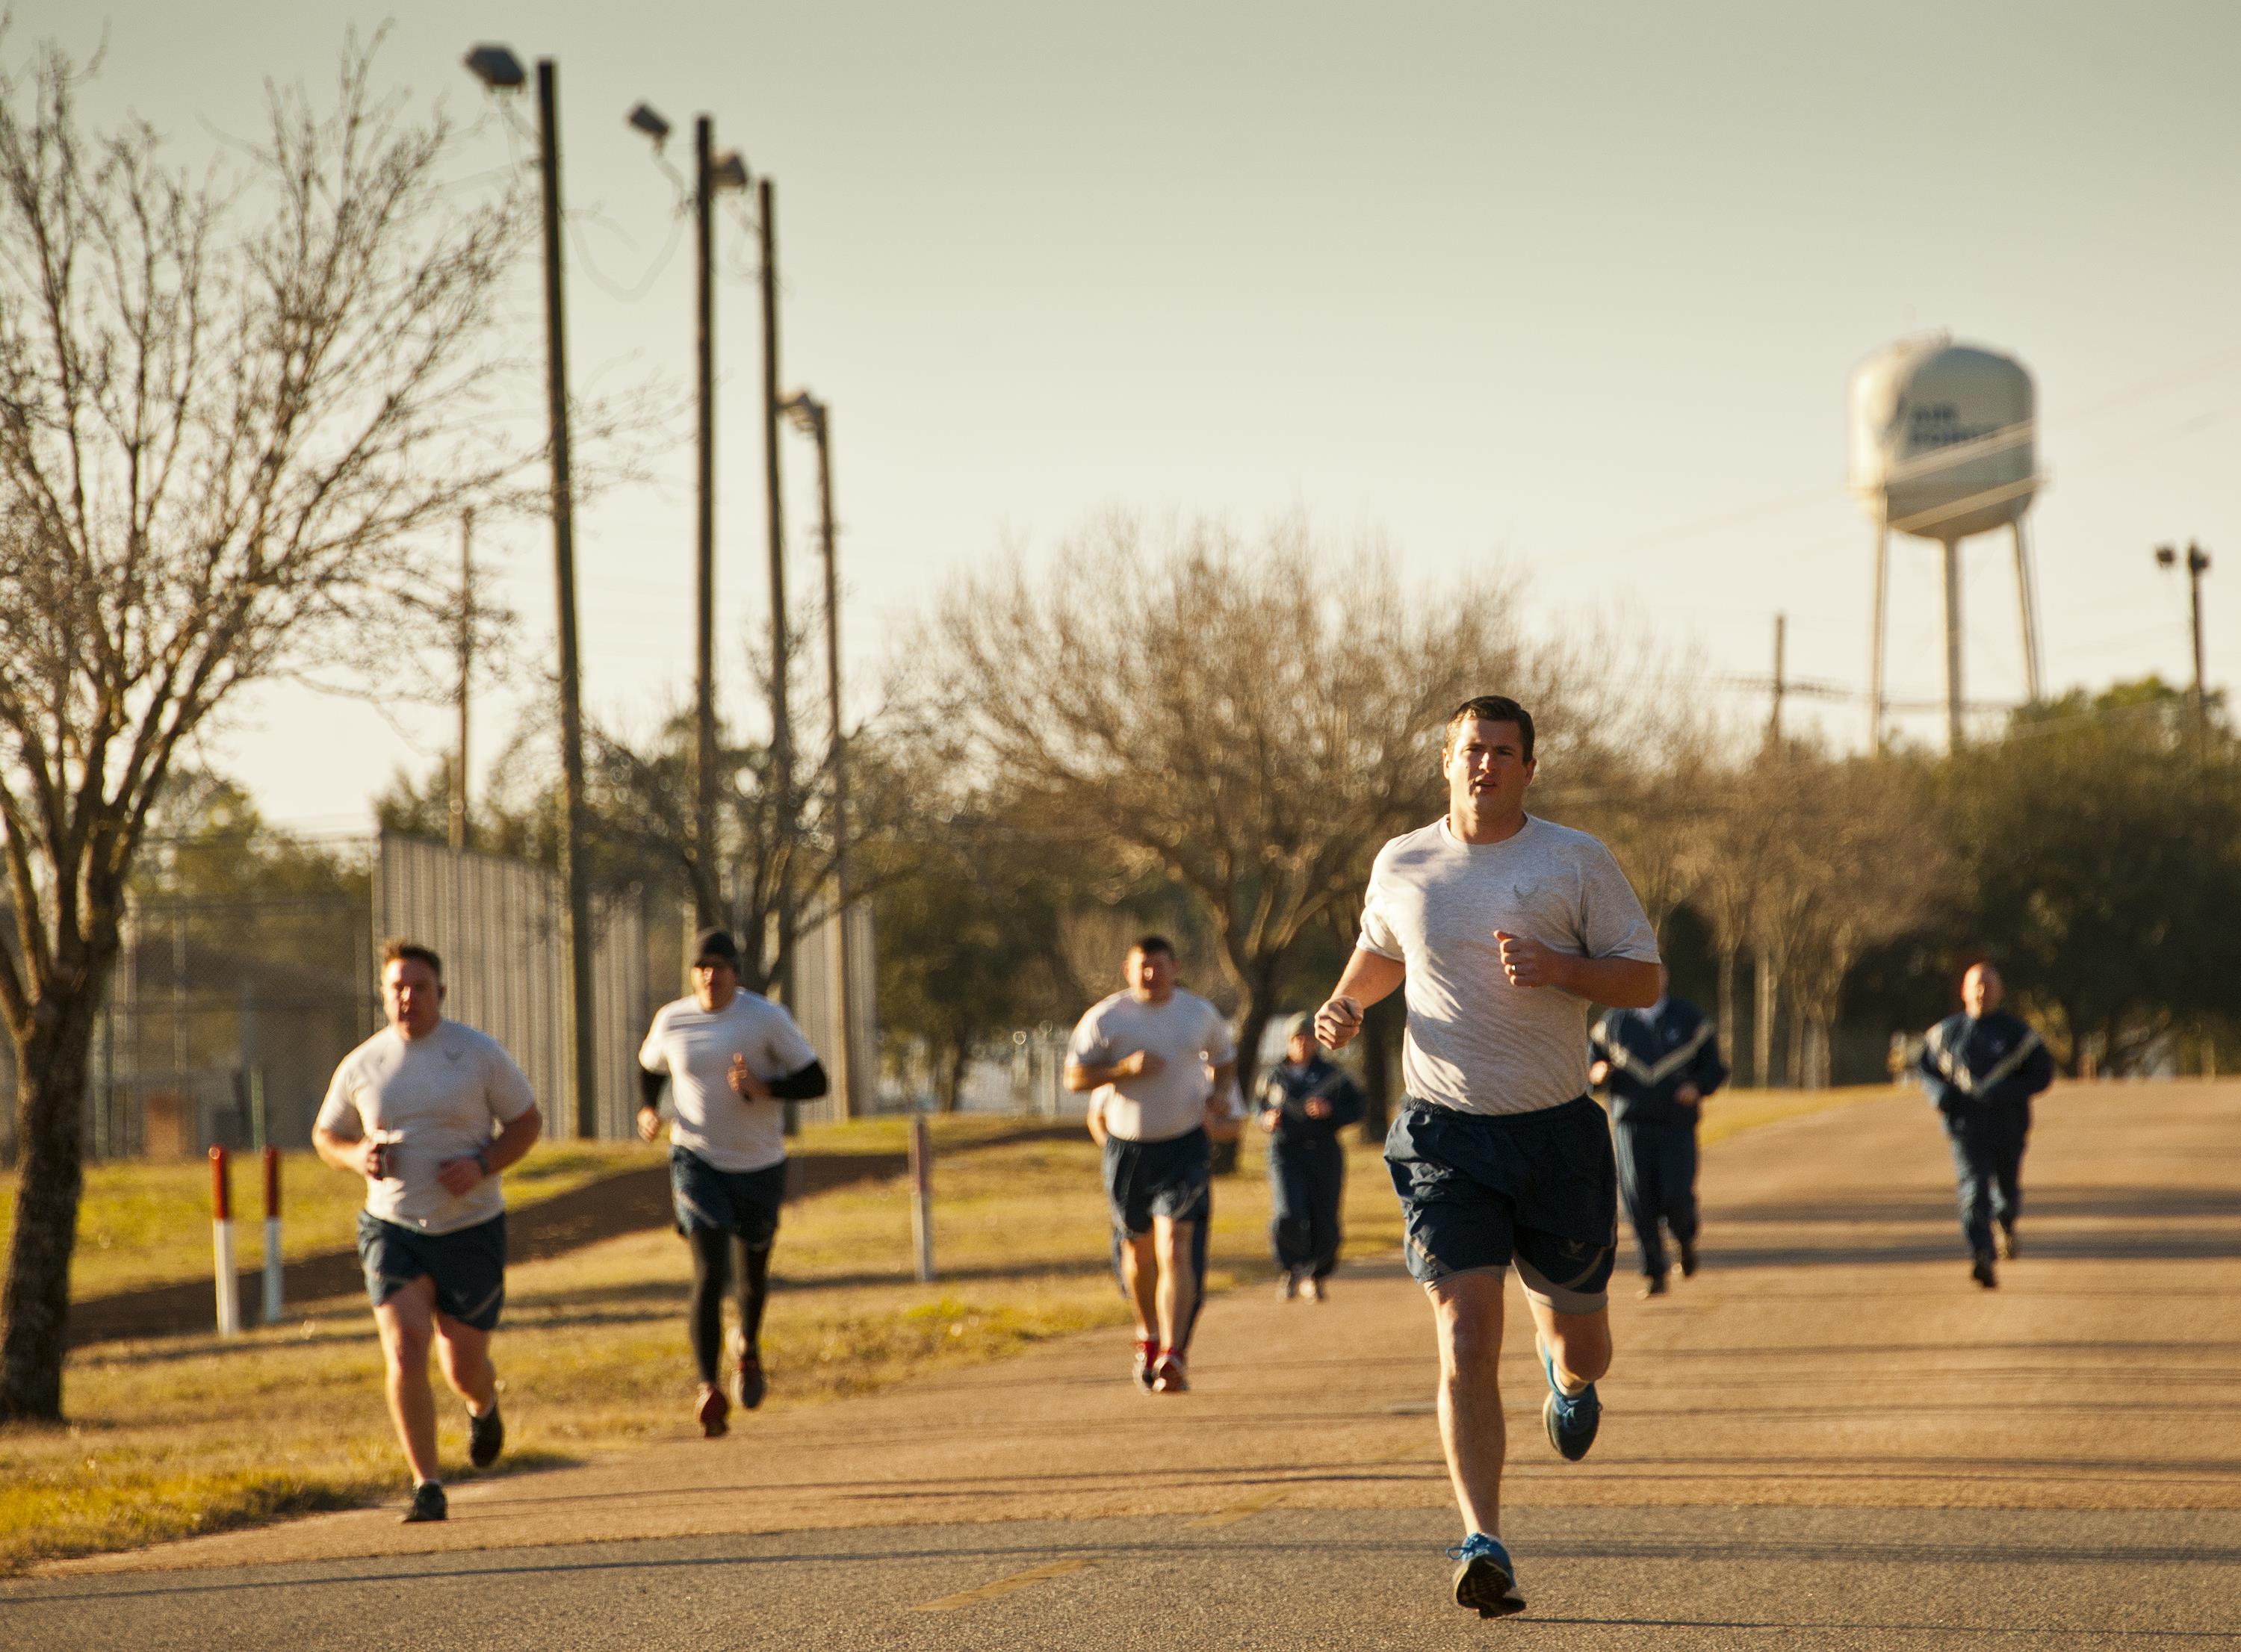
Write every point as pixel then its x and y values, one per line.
pixel 1304 1101
pixel 1657 1065
pixel 1981 1067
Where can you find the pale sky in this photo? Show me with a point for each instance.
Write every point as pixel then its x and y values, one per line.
pixel 1573 291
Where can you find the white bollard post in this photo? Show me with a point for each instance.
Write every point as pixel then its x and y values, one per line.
pixel 271 1235
pixel 228 1291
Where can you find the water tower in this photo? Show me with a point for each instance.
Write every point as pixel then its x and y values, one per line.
pixel 1943 448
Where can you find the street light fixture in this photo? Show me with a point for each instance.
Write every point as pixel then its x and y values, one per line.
pixel 500 71
pixel 496 68
pixel 645 117
pixel 2196 563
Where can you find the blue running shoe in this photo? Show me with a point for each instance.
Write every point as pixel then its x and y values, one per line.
pixel 1485 1580
pixel 1572 1418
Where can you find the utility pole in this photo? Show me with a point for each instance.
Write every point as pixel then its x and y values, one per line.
pixel 704 792
pixel 2198 564
pixel 1774 717
pixel 466 649
pixel 576 921
pixel 781 725
pixel 816 418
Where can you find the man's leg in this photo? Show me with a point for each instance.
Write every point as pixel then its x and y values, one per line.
pixel 1578 1344
pixel 1327 1193
pixel 2007 1171
pixel 1641 1191
pixel 1175 1298
pixel 1467 1316
pixel 1678 1180
pixel 463 1353
pixel 1972 1176
pixel 1139 1271
pixel 711 1268
pixel 1289 1228
pixel 407 1323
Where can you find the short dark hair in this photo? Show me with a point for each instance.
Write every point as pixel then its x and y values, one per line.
pixel 396 949
pixel 1488 708
pixel 1150 943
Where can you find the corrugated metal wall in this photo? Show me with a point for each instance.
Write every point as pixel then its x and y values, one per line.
pixel 815 1007
pixel 496 922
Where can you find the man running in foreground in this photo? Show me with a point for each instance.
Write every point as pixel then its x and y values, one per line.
pixel 1503 927
pixel 731 1058
pixel 1981 1067
pixel 429 1112
pixel 1146 1056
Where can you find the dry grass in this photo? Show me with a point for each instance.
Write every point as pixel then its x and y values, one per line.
pixel 191 1434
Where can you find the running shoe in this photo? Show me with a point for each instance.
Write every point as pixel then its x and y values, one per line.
pixel 752 1384
pixel 1148 1356
pixel 1653 1285
pixel 1572 1419
pixel 1981 1270
pixel 427 1504
pixel 1485 1580
pixel 711 1410
pixel 1288 1286
pixel 1167 1376
pixel 485 1436
pixel 1314 1290
pixel 1688 1259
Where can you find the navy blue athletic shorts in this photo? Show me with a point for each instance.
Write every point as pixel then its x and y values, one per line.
pixel 1482 1191
pixel 1149 1178
pixel 745 1202
pixel 468 1266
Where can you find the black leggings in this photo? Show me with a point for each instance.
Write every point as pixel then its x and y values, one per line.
pixel 716 1258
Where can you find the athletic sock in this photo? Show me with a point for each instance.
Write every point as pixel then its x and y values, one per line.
pixel 1570 1392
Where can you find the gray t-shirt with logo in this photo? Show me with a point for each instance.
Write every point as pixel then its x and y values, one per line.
pixel 433 1099
pixel 1476 1043
pixel 695 1046
pixel 1188 1035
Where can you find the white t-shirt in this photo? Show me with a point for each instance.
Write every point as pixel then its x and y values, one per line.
pixel 433 1098
pixel 1476 1043
pixel 695 1046
pixel 1188 1035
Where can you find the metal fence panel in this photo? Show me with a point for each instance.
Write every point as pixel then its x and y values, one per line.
pixel 496 922
pixel 816 994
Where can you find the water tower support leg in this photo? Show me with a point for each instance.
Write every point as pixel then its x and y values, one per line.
pixel 1875 643
pixel 1952 550
pixel 2027 595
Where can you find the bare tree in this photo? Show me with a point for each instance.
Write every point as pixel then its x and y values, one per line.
pixel 1250 724
pixel 231 406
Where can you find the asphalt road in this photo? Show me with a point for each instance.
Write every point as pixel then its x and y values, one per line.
pixel 1829 1437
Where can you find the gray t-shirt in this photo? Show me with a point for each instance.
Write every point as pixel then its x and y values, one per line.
pixel 1476 1043
pixel 433 1098
pixel 695 1048
pixel 1187 1034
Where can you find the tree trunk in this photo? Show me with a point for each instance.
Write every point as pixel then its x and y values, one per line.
pixel 1726 1030
pixel 949 1077
pixel 1767 998
pixel 50 1124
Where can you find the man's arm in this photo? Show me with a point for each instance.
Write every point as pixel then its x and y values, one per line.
pixel 1623 983
pixel 346 1152
pixel 515 1138
pixel 1366 978
pixel 649 1104
pixel 1140 1064
pixel 1220 1123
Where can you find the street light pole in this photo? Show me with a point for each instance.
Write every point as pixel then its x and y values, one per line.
pixel 577 919
pixel 815 418
pixel 781 724
pixel 703 796
pixel 2198 564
